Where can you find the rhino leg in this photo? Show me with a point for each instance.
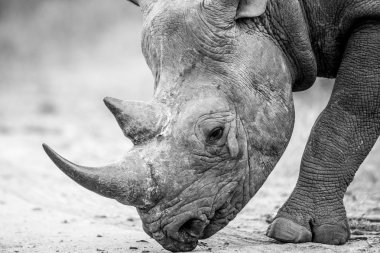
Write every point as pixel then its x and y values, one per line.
pixel 342 137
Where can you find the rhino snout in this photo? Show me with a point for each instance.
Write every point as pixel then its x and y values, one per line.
pixel 193 227
pixel 182 233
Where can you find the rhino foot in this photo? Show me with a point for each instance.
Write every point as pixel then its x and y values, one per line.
pixel 286 230
pixel 335 234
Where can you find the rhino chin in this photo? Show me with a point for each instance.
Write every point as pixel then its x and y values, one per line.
pixel 185 241
pixel 175 246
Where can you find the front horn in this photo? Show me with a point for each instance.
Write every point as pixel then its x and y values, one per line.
pixel 139 121
pixel 128 181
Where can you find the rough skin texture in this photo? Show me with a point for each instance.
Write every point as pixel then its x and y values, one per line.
pixel 345 38
pixel 340 140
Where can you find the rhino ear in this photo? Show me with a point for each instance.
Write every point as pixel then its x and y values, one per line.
pixel 251 8
pixel 136 2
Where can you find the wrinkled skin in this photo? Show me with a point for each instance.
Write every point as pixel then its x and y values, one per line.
pixel 207 183
pixel 223 114
pixel 212 181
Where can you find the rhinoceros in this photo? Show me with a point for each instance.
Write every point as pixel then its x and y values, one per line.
pixel 222 115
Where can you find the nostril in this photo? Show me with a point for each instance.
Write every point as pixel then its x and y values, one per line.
pixel 193 227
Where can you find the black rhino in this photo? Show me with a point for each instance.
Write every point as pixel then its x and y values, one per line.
pixel 222 115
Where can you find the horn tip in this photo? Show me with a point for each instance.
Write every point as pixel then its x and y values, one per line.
pixel 106 99
pixel 46 148
pixel 135 2
pixel 112 103
pixel 58 160
pixel 50 152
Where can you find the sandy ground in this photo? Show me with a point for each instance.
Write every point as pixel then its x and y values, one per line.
pixel 53 76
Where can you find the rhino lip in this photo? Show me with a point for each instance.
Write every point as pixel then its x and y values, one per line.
pixel 193 227
pixel 190 231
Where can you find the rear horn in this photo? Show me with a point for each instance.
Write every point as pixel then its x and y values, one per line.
pixel 139 121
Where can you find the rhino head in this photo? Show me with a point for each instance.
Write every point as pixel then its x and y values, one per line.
pixel 221 117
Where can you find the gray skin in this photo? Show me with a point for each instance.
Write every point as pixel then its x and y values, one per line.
pixel 222 115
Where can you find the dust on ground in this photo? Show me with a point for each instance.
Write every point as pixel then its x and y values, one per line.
pixel 58 60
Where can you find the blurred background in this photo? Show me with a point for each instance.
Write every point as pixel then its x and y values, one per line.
pixel 58 59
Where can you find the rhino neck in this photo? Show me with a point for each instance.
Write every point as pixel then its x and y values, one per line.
pixel 323 34
pixel 330 24
pixel 287 23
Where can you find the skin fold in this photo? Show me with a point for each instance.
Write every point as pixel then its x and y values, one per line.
pixel 223 114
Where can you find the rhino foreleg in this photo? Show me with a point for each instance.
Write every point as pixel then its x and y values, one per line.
pixel 342 137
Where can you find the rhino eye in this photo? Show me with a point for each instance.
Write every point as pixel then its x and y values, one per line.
pixel 215 135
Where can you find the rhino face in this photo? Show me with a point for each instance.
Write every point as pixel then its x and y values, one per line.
pixel 200 162
pixel 221 117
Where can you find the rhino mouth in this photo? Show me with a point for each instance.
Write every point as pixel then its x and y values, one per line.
pixel 184 235
pixel 193 228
